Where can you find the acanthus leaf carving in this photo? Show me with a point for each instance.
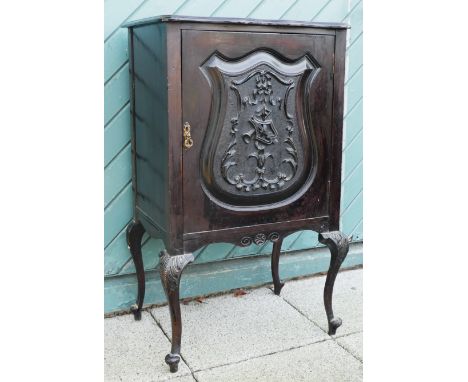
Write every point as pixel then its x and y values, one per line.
pixel 171 267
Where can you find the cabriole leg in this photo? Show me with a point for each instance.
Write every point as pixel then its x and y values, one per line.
pixel 135 233
pixel 275 265
pixel 170 269
pixel 338 244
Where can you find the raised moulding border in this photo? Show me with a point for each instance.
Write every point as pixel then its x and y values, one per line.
pixel 306 68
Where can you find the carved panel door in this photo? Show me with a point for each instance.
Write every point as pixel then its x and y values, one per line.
pixel 259 106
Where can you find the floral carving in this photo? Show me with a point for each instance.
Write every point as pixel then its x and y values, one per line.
pixel 259 140
pixel 259 238
pixel 263 132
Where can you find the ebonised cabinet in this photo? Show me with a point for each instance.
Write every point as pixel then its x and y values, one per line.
pixel 236 137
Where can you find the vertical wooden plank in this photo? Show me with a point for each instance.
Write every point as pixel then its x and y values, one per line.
pixel 337 136
pixel 174 104
pixel 131 69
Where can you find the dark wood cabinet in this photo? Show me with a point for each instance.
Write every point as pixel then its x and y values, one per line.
pixel 236 137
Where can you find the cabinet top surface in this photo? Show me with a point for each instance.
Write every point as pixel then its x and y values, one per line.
pixel 236 21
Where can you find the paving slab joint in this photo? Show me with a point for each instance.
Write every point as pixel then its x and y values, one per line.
pixel 169 338
pixel 303 314
pixel 345 349
pixel 336 336
pixel 264 355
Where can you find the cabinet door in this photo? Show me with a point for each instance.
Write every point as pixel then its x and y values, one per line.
pixel 259 106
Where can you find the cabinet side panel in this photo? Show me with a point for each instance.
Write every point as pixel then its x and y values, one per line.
pixel 150 122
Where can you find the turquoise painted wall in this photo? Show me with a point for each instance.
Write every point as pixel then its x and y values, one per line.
pixel 118 267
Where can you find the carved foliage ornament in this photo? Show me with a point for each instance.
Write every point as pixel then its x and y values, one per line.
pixel 171 267
pixel 253 149
pixel 259 238
pixel 338 243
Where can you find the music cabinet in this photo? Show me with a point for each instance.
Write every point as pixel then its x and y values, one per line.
pixel 236 137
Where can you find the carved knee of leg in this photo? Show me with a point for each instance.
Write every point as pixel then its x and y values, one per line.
pixel 338 244
pixel 171 267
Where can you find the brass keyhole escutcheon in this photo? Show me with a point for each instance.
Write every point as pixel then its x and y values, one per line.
pixel 188 141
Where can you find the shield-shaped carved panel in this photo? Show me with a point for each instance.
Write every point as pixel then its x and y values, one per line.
pixel 259 149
